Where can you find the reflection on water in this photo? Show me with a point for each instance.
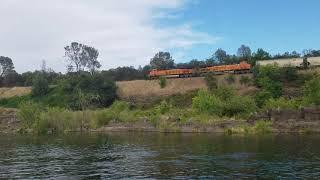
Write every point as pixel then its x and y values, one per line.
pixel 154 155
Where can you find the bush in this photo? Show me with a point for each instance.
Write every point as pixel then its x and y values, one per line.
pixel 162 82
pixel 281 103
pixel 261 97
pixel 204 102
pixel 101 89
pixel 268 79
pixel 163 107
pixel 224 93
pixel 267 84
pixel 244 80
pixel 223 104
pixel 29 113
pixel 239 106
pixel 262 127
pixel 211 81
pixel 40 86
pixel 312 92
pixel 289 73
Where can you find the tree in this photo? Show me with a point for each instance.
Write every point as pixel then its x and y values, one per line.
pixel 40 85
pixel 220 55
pixel 6 66
pixel 162 60
pixel 91 58
pixel 244 52
pixel 81 56
pixel 75 56
pixel 259 55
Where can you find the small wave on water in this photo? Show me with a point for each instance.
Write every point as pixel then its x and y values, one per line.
pixel 154 155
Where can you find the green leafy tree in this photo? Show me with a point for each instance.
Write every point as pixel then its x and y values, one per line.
pixel 162 60
pixel 221 56
pixel 40 86
pixel 6 66
pixel 75 56
pixel 244 52
pixel 91 58
pixel 259 55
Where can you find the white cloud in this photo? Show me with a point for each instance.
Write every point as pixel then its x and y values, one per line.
pixel 125 32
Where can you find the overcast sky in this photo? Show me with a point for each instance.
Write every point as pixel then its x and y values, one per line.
pixel 126 32
pixel 130 32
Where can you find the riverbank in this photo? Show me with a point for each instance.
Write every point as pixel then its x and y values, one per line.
pixel 283 121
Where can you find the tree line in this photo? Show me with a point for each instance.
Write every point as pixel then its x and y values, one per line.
pixel 84 59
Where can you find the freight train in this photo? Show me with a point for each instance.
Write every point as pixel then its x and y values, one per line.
pixel 242 67
pixel 293 62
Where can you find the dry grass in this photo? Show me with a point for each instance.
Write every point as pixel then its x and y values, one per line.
pixel 144 90
pixel 150 88
pixel 14 91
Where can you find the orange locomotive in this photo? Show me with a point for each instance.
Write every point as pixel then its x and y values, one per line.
pixel 242 67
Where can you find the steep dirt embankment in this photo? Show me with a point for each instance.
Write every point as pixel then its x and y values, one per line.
pixel 146 90
pixel 304 119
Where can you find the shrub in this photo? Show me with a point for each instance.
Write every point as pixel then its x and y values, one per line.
pixel 119 106
pixel 162 82
pixel 244 80
pixel 163 107
pixel 239 106
pixel 224 93
pixel 289 73
pixel 40 86
pixel 274 87
pixel 29 113
pixel 262 127
pixel 211 81
pixel 261 97
pixel 101 89
pixel 281 103
pixel 312 92
pixel 204 102
pixel 268 79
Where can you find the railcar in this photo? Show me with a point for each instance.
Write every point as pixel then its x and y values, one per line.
pixel 293 62
pixel 242 67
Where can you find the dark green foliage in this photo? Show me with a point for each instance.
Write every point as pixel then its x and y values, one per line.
pixel 244 80
pixel 6 66
pixel 126 73
pixel 262 96
pixel 14 102
pixel 40 86
pixel 244 53
pixel 101 89
pixel 223 102
pixel 162 82
pixel 312 92
pixel 211 81
pixel 162 60
pixel 268 79
pixel 29 113
pixel 289 74
pixel 224 93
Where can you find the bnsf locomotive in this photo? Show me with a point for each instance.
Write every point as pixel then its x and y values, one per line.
pixel 242 67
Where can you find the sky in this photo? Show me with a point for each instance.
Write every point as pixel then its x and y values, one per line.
pixel 130 32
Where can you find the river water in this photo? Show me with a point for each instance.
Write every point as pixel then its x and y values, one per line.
pixel 160 156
